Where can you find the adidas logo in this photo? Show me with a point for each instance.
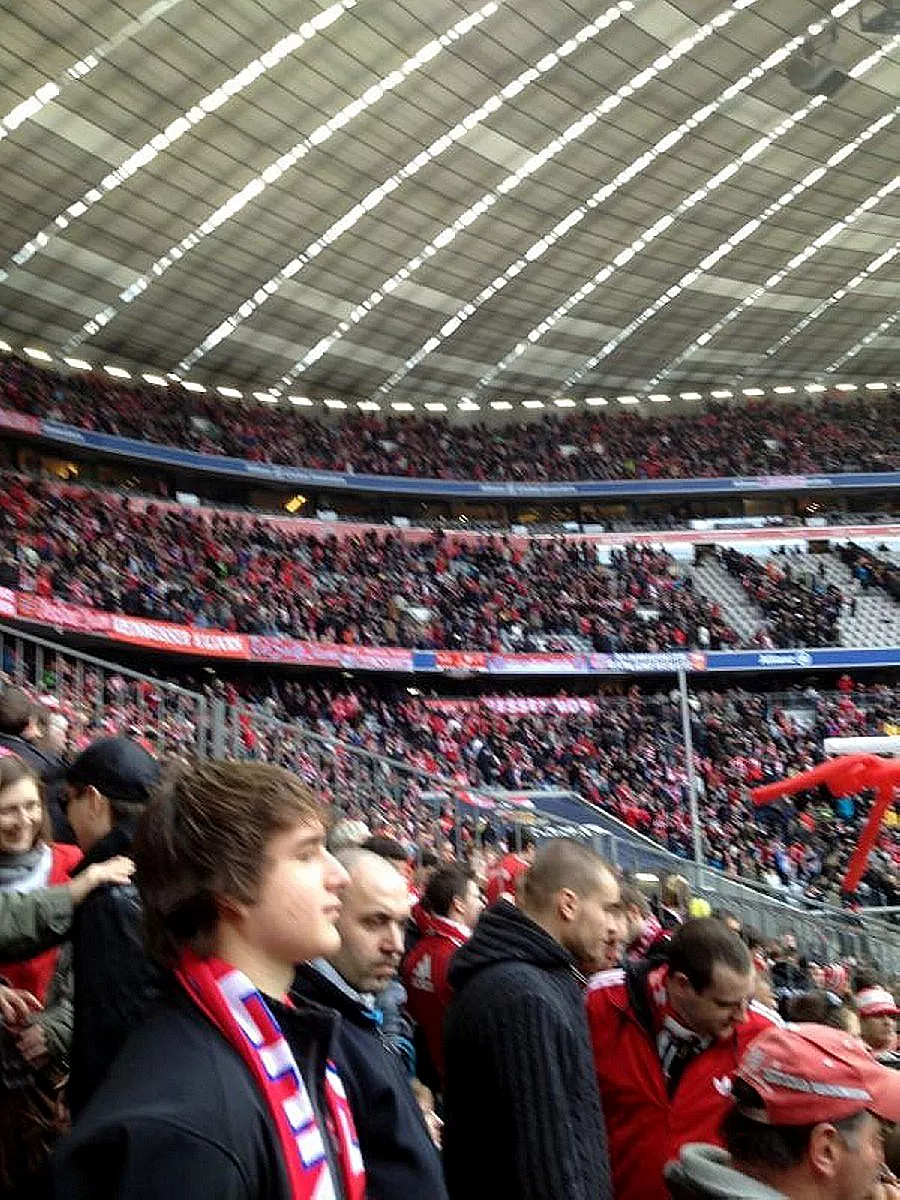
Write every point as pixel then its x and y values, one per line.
pixel 723 1085
pixel 421 976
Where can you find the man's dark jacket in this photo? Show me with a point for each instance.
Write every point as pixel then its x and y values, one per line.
pixel 115 984
pixel 402 1162
pixel 179 1116
pixel 522 1113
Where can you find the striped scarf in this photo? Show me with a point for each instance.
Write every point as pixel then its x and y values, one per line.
pixel 676 1045
pixel 239 1012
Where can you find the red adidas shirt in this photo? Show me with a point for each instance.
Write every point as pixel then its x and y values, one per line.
pixel 503 879
pixel 645 1127
pixel 424 975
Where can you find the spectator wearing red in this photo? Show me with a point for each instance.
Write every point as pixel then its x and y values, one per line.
pixel 33 1052
pixel 805 1122
pixel 644 934
pixel 502 883
pixel 878 1014
pixel 451 906
pixel 667 1039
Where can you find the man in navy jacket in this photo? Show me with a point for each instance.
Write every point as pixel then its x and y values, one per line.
pixel 402 1162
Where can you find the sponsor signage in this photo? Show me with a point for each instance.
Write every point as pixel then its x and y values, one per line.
pixel 174 456
pixel 220 643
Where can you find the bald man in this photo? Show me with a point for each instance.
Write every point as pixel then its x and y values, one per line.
pixel 401 1160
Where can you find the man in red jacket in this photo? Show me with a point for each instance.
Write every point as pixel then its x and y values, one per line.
pixel 450 907
pixel 504 879
pixel 667 1039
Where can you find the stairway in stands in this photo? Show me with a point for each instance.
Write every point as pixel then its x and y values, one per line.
pixel 877 620
pixel 714 582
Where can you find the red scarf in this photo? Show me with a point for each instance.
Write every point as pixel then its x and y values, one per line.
pixel 241 1015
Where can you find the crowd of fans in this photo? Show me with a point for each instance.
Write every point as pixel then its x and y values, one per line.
pixel 759 438
pixel 801 607
pixel 623 754
pixel 176 1044
pixel 378 589
pixel 871 570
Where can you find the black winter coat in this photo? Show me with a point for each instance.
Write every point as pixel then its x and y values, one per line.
pixel 402 1162
pixel 179 1116
pixel 115 982
pixel 522 1113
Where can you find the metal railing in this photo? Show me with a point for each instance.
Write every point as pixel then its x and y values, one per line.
pixel 102 697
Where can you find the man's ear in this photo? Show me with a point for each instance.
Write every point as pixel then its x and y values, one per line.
pixel 97 803
pixel 567 903
pixel 827 1150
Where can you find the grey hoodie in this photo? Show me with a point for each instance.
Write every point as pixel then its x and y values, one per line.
pixel 705 1173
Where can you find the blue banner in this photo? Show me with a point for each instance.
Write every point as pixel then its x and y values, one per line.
pixel 392 485
pixel 839 658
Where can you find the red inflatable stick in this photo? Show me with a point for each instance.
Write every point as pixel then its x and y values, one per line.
pixel 845 776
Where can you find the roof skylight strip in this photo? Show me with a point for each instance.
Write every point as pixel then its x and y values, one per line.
pixel 640 243
pixel 481 206
pixel 51 89
pixel 797 260
pixel 285 162
pixel 167 137
pixel 525 79
pixel 725 248
pixel 866 340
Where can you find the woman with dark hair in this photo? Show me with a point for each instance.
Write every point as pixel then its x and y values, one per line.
pixel 823 1008
pixel 33 1052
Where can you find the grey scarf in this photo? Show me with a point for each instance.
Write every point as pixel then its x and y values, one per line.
pixel 27 871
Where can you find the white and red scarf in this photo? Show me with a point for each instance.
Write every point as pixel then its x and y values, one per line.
pixel 241 1015
pixel 676 1045
pixel 651 933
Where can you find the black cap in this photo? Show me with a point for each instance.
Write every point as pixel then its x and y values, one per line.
pixel 118 768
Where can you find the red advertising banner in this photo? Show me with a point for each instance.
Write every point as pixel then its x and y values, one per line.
pixel 18 422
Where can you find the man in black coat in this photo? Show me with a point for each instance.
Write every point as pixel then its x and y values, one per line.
pixel 522 1114
pixel 402 1162
pixel 19 733
pixel 114 982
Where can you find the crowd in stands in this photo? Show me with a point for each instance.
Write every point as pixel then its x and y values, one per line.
pixel 379 589
pixel 871 570
pixel 801 607
pixel 758 438
pixel 623 754
pixel 272 1008
pixel 626 756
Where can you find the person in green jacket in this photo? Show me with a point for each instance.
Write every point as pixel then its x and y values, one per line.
pixel 34 921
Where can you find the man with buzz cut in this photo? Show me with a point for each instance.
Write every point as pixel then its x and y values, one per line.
pixel 522 1115
pixel 667 1037
pixel 402 1162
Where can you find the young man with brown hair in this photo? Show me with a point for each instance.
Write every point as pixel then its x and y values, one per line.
pixel 227 1090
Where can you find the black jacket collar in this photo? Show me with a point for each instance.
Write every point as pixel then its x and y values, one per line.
pixel 117 841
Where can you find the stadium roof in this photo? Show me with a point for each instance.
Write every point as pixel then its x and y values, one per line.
pixel 433 201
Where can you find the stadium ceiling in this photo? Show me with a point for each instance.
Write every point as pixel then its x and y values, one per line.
pixel 447 202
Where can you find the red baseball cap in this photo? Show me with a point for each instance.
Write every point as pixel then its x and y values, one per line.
pixel 876 1002
pixel 806 1074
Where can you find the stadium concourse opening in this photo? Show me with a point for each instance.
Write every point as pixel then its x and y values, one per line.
pixel 449 600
